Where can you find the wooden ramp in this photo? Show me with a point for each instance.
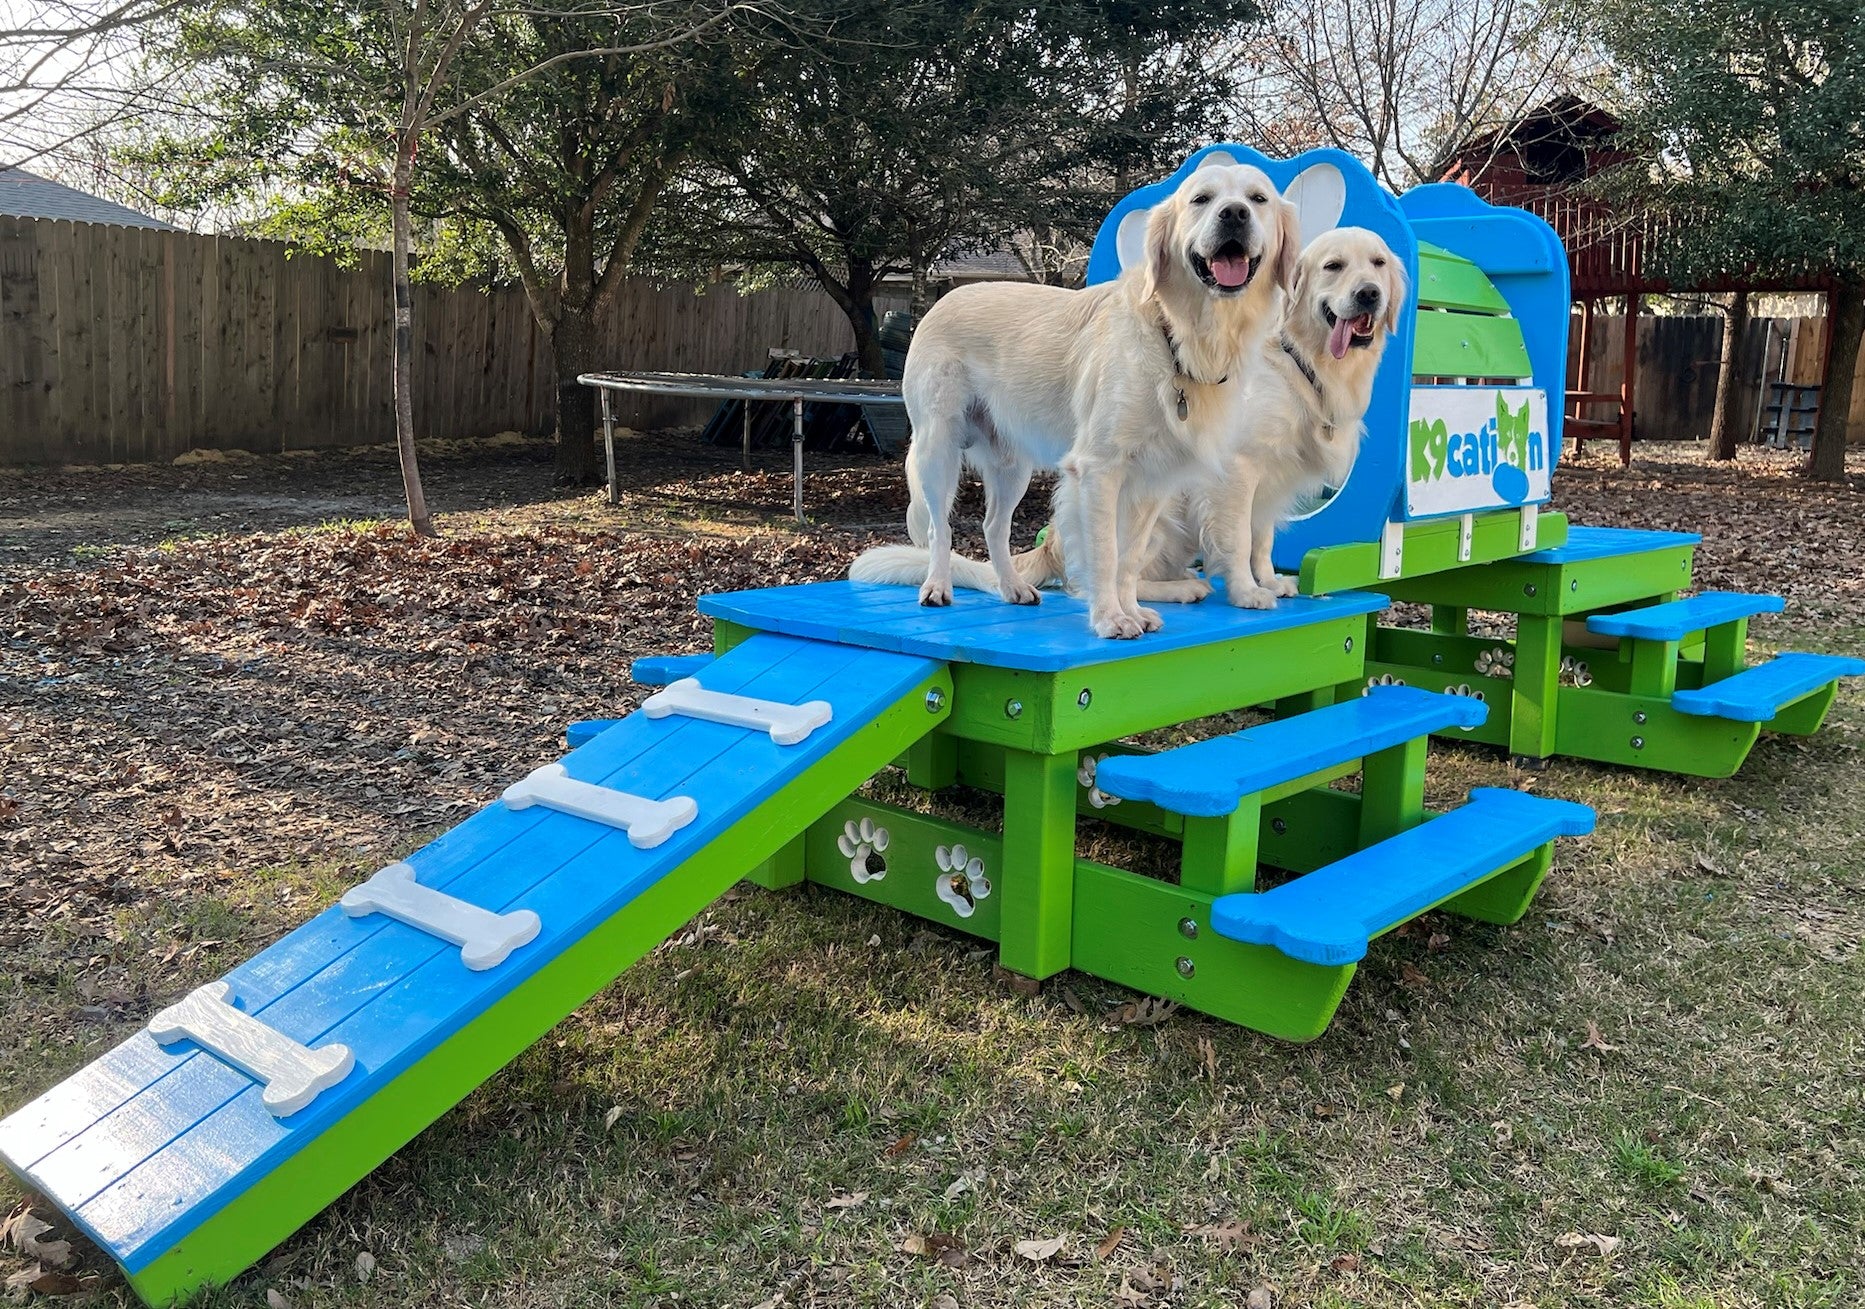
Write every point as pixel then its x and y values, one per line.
pixel 187 1163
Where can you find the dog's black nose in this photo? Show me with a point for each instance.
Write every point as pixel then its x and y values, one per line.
pixel 1366 296
pixel 1233 217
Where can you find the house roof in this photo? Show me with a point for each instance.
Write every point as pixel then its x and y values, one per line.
pixel 31 196
pixel 1566 117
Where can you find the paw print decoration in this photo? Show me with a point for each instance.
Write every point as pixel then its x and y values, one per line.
pixel 961 883
pixel 1085 774
pixel 864 843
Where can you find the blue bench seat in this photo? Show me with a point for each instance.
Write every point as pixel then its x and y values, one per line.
pixel 1586 544
pixel 1209 778
pixel 664 670
pixel 1756 694
pixel 1676 619
pixel 1327 917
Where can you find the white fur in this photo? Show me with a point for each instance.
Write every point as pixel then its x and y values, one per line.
pixel 1008 377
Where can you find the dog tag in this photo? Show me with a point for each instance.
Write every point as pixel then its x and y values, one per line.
pixel 1184 409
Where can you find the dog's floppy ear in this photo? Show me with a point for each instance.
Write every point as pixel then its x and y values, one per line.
pixel 1395 291
pixel 1288 244
pixel 1157 252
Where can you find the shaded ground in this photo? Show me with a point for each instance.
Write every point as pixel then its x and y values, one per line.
pixel 227 692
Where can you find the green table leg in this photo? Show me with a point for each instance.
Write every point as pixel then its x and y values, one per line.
pixel 1039 863
pixel 1219 854
pixel 1725 650
pixel 1537 686
pixel 1392 791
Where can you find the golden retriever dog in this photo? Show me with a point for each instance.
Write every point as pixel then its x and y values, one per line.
pixel 1303 405
pixel 1131 386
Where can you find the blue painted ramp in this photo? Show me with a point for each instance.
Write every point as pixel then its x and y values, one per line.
pixel 163 1155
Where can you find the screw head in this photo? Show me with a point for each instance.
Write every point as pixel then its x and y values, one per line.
pixel 1085 698
pixel 935 700
pixel 1574 585
pixel 1188 929
pixel 1638 743
pixel 1013 708
pixel 1529 589
pixel 1639 717
pixel 1347 645
pixel 1277 826
pixel 1186 967
pixel 1437 658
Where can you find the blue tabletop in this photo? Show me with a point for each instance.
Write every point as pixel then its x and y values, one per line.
pixel 980 628
pixel 1584 544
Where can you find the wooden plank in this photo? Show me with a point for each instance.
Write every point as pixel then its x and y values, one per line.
pixel 1468 345
pixel 151 345
pixel 126 436
pixel 65 304
pixel 268 274
pixel 24 394
pixel 210 417
pixel 1446 281
pixel 192 255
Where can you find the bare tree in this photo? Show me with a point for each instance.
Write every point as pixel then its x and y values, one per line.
pixel 61 69
pixel 1404 84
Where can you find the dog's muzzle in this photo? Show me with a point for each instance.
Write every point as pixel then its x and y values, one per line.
pixel 1229 269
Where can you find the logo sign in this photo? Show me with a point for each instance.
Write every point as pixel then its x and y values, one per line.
pixel 1471 448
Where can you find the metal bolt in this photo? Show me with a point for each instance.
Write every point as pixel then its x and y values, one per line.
pixel 1437 658
pixel 1085 698
pixel 1013 708
pixel 1638 743
pixel 1639 717
pixel 1188 929
pixel 935 700
pixel 1186 967
pixel 1277 826
pixel 1347 645
pixel 1574 585
pixel 1529 589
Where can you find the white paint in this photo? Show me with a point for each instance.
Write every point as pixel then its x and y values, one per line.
pixel 1456 471
pixel 293 1074
pixel 1466 528
pixel 1130 237
pixel 857 842
pixel 485 938
pixel 1531 527
pixel 647 822
pixel 961 882
pixel 1319 194
pixel 1216 159
pixel 787 723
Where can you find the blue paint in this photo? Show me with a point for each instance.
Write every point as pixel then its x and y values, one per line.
pixel 1676 619
pixel 980 628
pixel 1756 695
pixel 1327 917
pixel 1510 484
pixel 587 730
pixel 661 670
pixel 1585 544
pixel 146 1143
pixel 1208 778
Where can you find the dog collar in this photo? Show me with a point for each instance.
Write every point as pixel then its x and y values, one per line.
pixel 1179 370
pixel 1308 369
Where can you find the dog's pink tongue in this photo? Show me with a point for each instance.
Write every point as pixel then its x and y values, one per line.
pixel 1230 270
pixel 1340 338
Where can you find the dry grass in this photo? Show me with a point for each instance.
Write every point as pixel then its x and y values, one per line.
pixel 1666 1052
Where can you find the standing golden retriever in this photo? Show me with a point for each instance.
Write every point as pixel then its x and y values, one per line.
pixel 1130 386
pixel 1303 404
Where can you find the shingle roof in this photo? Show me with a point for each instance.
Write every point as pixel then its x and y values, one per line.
pixel 31 196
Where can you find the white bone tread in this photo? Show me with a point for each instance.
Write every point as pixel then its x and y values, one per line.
pixel 293 1074
pixel 647 822
pixel 787 723
pixel 485 938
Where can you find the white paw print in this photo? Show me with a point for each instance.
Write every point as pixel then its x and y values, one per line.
pixel 863 843
pixel 1085 775
pixel 1499 662
pixel 961 882
pixel 1574 672
pixel 1384 679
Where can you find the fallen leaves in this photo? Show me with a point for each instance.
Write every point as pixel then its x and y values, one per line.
pixel 1600 1245
pixel 846 1201
pixel 1146 1011
pixel 1109 1244
pixel 1227 1236
pixel 1595 1040
pixel 1040 1251
pixel 941 1247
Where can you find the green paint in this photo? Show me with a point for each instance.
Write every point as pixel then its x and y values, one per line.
pixel 1430 550
pixel 1038 877
pixel 913 875
pixel 1448 281
pixel 281 1201
pixel 1469 345
pixel 1392 791
pixel 1219 855
pixel 1512 431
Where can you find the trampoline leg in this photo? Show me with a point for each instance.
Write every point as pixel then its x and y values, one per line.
pixel 745 458
pixel 608 445
pixel 796 454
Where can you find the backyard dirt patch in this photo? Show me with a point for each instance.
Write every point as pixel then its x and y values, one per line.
pixel 231 688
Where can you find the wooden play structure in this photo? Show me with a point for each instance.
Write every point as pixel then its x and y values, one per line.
pixel 242 1109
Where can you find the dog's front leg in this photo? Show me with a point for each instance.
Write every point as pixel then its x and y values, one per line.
pixel 1099 546
pixel 1004 486
pixel 1240 585
pixel 1262 538
pixel 1133 554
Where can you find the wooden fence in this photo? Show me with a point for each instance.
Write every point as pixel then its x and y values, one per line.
pixel 124 344
pixel 1678 356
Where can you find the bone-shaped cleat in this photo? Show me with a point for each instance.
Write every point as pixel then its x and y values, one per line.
pixel 647 822
pixel 484 937
pixel 787 723
pixel 293 1074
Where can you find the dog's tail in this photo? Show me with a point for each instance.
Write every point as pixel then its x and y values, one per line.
pixel 907 565
pixel 1044 564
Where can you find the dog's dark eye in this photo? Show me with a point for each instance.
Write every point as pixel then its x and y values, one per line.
pixel 1379 263
pixel 1201 199
pixel 1332 265
pixel 1257 197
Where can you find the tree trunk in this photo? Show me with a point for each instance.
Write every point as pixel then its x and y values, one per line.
pixel 1845 317
pixel 573 342
pixel 858 303
pixel 1722 423
pixel 404 342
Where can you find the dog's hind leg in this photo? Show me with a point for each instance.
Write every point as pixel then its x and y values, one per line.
pixel 1096 547
pixel 934 459
pixel 1136 544
pixel 1005 481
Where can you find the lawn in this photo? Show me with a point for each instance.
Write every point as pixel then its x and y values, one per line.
pixel 230 689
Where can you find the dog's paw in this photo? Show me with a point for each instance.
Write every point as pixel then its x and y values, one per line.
pixel 1188 592
pixel 1251 597
pixel 1020 594
pixel 1115 626
pixel 1285 587
pixel 1149 619
pixel 932 593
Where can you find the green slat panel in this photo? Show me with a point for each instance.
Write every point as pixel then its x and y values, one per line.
pixel 1468 345
pixel 1448 281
